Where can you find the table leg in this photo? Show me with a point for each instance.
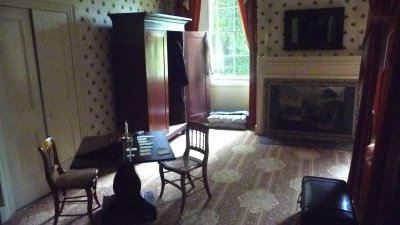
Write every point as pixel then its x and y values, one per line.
pixel 128 205
pixel 127 183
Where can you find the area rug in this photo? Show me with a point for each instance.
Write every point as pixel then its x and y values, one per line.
pixel 251 182
pixel 307 142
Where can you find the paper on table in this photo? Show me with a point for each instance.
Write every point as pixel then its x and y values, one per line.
pixel 146 147
pixel 145 144
pixel 145 136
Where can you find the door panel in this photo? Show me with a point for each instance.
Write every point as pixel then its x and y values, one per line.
pixel 17 73
pixel 52 35
pixel 198 105
pixel 156 69
pixel 21 108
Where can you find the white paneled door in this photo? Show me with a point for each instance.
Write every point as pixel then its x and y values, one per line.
pixel 37 98
pixel 22 122
pixel 52 38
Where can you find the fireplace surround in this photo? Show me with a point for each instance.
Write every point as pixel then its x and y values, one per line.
pixel 313 108
pixel 308 97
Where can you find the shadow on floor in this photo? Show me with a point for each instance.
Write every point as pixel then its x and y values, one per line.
pixel 291 220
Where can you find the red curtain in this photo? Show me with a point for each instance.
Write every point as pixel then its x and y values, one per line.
pixel 192 11
pixel 243 10
pixel 248 15
pixel 376 193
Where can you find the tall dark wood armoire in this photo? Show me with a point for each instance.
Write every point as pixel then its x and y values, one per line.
pixel 140 68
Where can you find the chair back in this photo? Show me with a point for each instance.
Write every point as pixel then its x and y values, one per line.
pixel 197 139
pixel 52 167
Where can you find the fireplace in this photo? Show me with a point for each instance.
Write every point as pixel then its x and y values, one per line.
pixel 310 108
pixel 308 97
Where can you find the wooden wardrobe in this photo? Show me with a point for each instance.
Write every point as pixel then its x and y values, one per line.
pixel 140 69
pixel 152 88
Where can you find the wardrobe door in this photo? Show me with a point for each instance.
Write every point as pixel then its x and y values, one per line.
pixel 54 56
pixel 157 79
pixel 177 78
pixel 197 92
pixel 21 115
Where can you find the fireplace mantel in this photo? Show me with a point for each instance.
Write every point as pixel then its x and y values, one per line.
pixel 335 67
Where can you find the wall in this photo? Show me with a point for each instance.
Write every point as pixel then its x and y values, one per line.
pixel 169 7
pixel 270 39
pixel 93 32
pixel 94 38
pixel 270 26
pixel 273 61
pixel 229 97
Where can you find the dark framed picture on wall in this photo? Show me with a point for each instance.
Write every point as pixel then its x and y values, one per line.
pixel 313 29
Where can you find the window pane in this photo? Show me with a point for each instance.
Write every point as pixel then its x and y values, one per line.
pixel 226 40
pixel 238 21
pixel 229 65
pixel 241 46
pixel 242 65
pixel 224 20
pixel 229 49
pixel 224 3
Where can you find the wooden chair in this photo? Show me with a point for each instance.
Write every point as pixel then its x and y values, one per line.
pixel 60 180
pixel 196 140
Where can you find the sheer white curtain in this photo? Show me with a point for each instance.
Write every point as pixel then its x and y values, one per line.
pixel 216 54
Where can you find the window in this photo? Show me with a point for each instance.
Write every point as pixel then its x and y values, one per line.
pixel 228 47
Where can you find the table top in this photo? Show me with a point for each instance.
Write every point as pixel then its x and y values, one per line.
pixel 104 150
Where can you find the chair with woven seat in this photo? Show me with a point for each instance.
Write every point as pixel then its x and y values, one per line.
pixel 196 141
pixel 60 180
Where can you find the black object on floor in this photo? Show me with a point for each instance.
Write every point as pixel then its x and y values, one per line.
pixel 129 206
pixel 137 212
pixel 325 201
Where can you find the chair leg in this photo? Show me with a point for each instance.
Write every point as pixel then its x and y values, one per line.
pixel 183 189
pixel 63 198
pixel 95 197
pixel 89 204
pixel 56 199
pixel 205 180
pixel 190 180
pixel 94 192
pixel 161 170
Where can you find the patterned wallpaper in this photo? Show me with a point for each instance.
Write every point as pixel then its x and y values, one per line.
pixel 94 39
pixel 169 6
pixel 270 26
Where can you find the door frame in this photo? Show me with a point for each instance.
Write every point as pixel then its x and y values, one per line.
pixel 9 207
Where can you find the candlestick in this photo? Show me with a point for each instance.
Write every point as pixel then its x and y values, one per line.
pixel 126 128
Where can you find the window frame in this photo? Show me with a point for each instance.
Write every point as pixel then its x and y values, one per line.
pixel 232 79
